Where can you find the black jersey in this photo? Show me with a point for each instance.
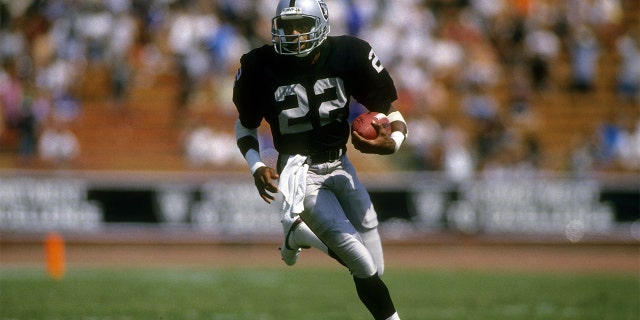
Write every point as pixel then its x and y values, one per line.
pixel 307 104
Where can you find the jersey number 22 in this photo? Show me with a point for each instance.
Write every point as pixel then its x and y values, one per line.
pixel 294 119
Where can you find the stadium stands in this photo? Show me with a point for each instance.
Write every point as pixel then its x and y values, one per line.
pixel 146 131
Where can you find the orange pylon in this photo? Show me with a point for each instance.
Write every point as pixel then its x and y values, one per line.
pixel 55 255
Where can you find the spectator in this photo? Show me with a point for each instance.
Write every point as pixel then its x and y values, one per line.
pixel 203 146
pixel 425 141
pixel 14 43
pixel 613 145
pixel 118 55
pixel 608 137
pixel 457 158
pixel 542 50
pixel 516 156
pixel 34 107
pixel 605 18
pixel 198 144
pixel 628 49
pixel 2 132
pixel 584 50
pixel 583 155
pixel 488 140
pixel 507 33
pixel 58 145
pixel 23 107
pixel 354 18
pixel 65 107
pixel 95 24
pixel 627 146
pixel 519 91
pixel 481 66
pixel 11 93
pixel 478 104
pixel 58 75
pixel 188 31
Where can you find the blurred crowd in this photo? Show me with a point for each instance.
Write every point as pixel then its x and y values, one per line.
pixel 490 58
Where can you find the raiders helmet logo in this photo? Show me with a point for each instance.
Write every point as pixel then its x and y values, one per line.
pixel 325 10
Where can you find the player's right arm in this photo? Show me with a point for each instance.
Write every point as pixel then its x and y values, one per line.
pixel 263 175
pixel 246 130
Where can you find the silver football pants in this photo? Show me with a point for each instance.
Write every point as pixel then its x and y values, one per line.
pixel 338 209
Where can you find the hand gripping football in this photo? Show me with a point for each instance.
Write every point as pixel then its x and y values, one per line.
pixel 362 124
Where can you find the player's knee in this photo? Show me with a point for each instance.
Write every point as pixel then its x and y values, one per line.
pixel 352 252
pixel 371 240
pixel 365 270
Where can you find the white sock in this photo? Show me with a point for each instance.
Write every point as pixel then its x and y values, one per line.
pixel 395 316
pixel 302 236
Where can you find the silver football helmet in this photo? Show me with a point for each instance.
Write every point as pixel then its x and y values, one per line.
pixel 299 26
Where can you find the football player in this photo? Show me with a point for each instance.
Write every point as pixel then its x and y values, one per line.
pixel 301 85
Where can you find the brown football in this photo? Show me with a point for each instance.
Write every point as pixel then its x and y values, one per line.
pixel 362 124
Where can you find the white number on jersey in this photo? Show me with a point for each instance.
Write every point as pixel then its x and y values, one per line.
pixel 375 62
pixel 291 119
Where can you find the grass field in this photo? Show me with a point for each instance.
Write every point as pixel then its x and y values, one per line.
pixel 194 293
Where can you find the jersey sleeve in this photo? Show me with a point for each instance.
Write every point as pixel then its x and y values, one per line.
pixel 249 112
pixel 374 87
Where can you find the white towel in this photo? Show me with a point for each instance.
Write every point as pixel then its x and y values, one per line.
pixel 293 185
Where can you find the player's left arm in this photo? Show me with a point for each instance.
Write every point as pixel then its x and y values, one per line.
pixel 376 91
pixel 384 143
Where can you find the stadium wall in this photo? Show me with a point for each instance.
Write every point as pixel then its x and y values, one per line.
pixel 227 204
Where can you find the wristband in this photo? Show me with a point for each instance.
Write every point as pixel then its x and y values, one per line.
pixel 398 137
pixel 253 160
pixel 396 116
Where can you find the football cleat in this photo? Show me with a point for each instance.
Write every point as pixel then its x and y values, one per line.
pixel 290 254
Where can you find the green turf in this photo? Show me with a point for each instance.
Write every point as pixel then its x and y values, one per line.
pixel 308 294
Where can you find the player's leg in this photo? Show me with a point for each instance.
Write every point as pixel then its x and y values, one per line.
pixel 326 218
pixel 298 236
pixel 371 290
pixel 360 211
pixel 301 236
pixel 356 202
pixel 371 240
pixel 374 294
